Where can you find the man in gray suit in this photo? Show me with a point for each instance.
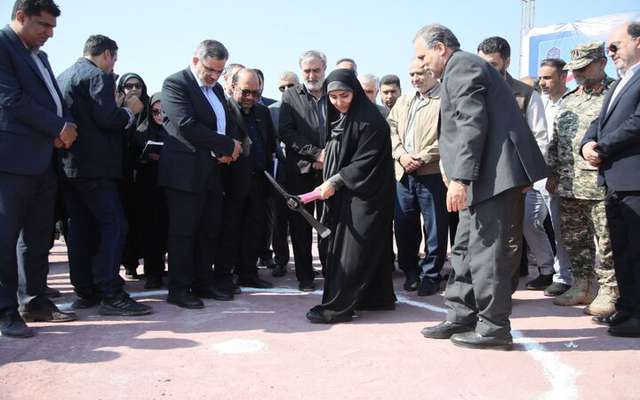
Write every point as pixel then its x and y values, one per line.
pixel 488 157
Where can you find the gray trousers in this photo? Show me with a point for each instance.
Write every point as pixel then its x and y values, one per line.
pixel 484 257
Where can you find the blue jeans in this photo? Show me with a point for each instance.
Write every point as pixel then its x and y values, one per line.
pixel 97 233
pixel 415 196
pixel 537 204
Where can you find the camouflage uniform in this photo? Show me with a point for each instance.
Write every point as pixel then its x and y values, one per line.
pixel 582 210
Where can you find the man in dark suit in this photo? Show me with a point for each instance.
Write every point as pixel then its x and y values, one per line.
pixel 613 144
pixel 197 122
pixel 33 121
pixel 93 170
pixel 488 157
pixel 249 204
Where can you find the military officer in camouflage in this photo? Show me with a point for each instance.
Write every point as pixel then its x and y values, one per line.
pixel 582 209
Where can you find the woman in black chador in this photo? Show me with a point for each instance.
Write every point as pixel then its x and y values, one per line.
pixel 131 84
pixel 151 208
pixel 359 191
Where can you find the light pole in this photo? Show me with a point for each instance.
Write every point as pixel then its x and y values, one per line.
pixel 527 18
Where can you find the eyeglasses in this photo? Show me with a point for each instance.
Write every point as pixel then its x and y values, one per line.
pixel 131 86
pixel 156 112
pixel 285 87
pixel 247 93
pixel 614 47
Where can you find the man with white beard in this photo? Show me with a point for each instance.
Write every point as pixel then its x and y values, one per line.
pixel 302 129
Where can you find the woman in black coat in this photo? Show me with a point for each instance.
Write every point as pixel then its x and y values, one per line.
pixel 359 191
pixel 151 208
pixel 131 84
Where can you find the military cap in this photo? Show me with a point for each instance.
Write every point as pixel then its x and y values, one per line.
pixel 585 54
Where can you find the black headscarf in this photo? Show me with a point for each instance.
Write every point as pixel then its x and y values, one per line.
pixel 144 97
pixel 364 160
pixel 148 130
pixel 360 105
pixel 149 124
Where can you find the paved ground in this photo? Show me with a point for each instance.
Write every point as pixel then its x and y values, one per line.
pixel 260 346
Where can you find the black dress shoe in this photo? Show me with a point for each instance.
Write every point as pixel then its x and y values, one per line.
pixel 307 286
pixel 52 293
pixel 131 272
pixel 12 325
pixel 227 285
pixel 628 328
pixel 82 303
pixel 541 282
pixel 428 287
pixel 255 282
pixel 50 314
pixel 474 340
pixel 153 282
pixel 556 289
pixel 269 263
pixel 410 283
pixel 279 271
pixel 616 318
pixel 185 300
pixel 214 293
pixel 315 317
pixel 122 305
pixel 445 329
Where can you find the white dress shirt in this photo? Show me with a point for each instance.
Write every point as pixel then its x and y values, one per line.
pixel 536 119
pixel 48 81
pixel 623 82
pixel 215 103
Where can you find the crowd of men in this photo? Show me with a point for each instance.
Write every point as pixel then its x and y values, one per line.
pixel 540 167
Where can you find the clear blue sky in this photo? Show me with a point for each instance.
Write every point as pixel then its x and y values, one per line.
pixel 157 38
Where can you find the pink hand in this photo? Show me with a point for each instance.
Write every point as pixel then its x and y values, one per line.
pixel 311 196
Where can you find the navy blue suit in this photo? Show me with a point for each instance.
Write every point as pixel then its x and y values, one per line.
pixel 92 171
pixel 617 132
pixel 29 123
pixel 191 178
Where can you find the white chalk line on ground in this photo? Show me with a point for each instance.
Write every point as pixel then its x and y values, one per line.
pixel 561 376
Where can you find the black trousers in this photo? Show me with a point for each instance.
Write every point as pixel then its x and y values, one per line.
pixel 484 258
pixel 253 226
pixel 26 211
pixel 97 234
pixel 194 229
pixel 132 247
pixel 280 229
pixel 301 231
pixel 623 215
pixel 153 222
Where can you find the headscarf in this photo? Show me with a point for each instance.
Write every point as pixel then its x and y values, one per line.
pixel 144 96
pixel 360 106
pixel 149 124
pixel 364 158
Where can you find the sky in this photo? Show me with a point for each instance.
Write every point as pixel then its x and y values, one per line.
pixel 157 38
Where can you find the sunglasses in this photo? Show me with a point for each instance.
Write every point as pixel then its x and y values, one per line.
pixel 247 93
pixel 285 87
pixel 614 47
pixel 131 86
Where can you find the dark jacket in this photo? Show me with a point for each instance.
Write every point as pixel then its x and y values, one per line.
pixel 28 119
pixel 186 161
pixel 301 129
pixel 522 93
pixel 98 150
pixel 483 137
pixel 617 131
pixel 146 168
pixel 237 174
